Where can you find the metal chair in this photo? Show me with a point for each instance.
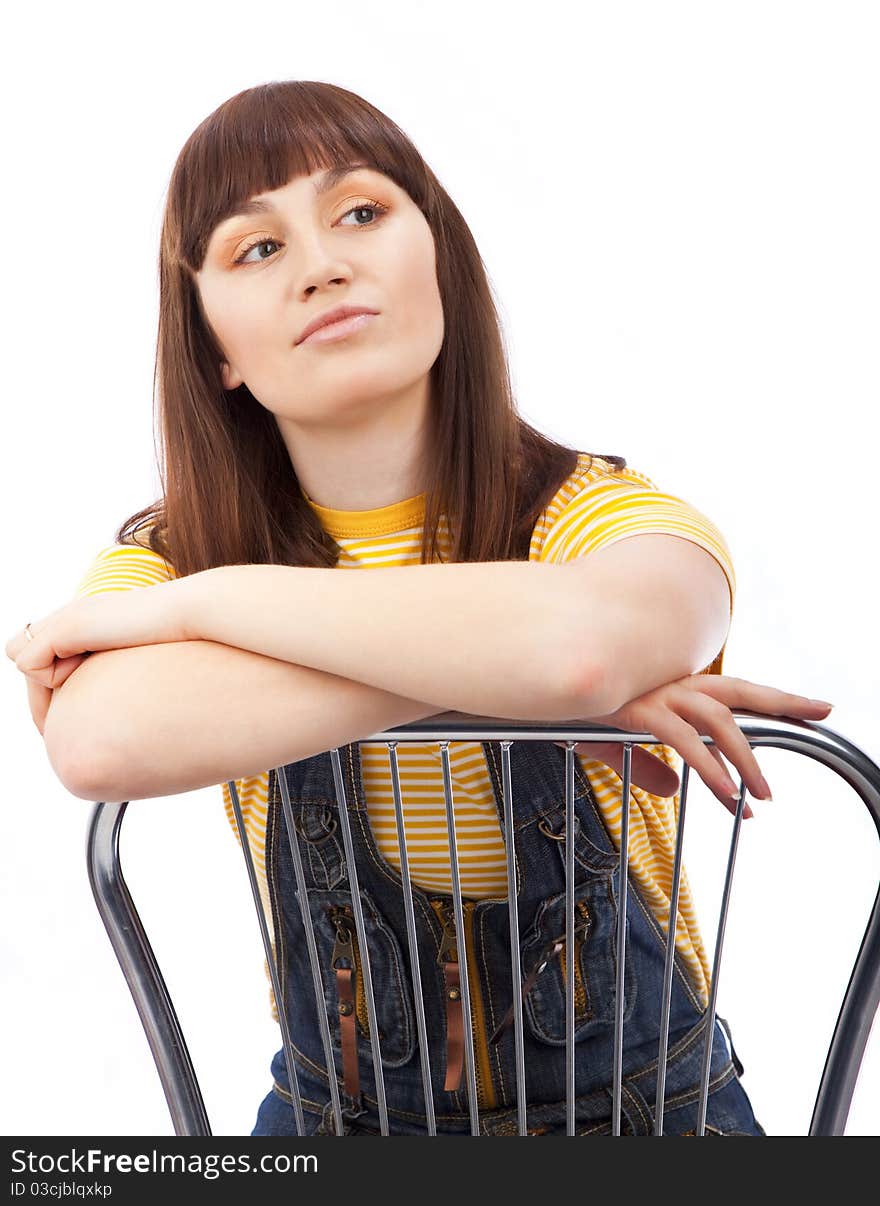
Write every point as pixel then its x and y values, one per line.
pixel 166 1039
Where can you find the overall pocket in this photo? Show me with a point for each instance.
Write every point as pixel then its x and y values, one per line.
pixel 544 955
pixel 339 949
pixel 544 961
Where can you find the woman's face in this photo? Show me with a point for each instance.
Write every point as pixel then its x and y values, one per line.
pixel 268 274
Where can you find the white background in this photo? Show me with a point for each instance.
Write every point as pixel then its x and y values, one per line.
pixel 677 206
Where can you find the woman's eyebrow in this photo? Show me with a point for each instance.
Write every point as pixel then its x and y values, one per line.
pixel 329 180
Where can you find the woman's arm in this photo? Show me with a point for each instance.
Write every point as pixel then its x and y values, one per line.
pixel 488 638
pixel 159 720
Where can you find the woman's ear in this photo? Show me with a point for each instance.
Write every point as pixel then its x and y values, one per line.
pixel 230 378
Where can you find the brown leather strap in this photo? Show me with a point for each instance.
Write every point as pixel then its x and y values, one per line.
pixel 454 1028
pixel 347 1027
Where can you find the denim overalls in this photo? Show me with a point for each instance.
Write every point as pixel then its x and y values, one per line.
pixel 538 779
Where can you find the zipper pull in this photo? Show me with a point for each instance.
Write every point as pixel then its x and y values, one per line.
pixel 343 948
pixel 448 952
pixel 551 949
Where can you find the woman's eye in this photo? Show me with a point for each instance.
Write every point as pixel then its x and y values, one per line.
pixel 375 206
pixel 252 246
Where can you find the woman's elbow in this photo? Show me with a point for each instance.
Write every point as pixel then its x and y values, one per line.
pixel 83 767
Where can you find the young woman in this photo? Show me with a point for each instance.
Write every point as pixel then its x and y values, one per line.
pixel 334 394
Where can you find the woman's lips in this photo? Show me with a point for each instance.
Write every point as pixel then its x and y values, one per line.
pixel 339 329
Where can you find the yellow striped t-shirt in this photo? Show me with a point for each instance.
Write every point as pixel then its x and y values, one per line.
pixel 595 507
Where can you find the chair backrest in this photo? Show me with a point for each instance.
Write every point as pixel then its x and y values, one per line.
pixel 848 1042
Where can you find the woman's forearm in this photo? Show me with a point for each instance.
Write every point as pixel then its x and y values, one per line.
pixel 489 638
pixel 161 720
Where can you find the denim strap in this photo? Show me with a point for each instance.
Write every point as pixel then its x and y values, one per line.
pixel 734 1056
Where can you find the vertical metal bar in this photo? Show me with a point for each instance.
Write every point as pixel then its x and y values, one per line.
pixel 670 957
pixel 851 1031
pixel 716 965
pixel 270 959
pixel 621 937
pixel 509 843
pixel 317 982
pixel 362 938
pixel 458 910
pixel 569 937
pixel 411 938
pixel 138 963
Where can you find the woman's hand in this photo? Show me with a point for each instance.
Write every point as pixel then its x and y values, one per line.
pixel 147 615
pixel 678 713
pixel 39 699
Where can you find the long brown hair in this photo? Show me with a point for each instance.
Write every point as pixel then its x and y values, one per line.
pixel 230 492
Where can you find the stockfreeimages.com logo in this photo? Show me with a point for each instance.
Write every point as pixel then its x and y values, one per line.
pixel 210 1165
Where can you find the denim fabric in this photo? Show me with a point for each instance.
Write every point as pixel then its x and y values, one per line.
pixel 538 780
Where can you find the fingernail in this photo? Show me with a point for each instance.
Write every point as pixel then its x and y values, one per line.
pixel 731 788
pixel 821 703
pixel 765 788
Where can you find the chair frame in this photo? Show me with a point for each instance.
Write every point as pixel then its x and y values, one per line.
pixel 162 1028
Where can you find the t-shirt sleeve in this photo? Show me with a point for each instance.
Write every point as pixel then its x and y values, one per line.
pixel 611 509
pixel 123 567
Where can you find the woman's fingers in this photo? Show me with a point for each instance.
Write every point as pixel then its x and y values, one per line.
pixel 56 674
pixel 757 697
pixel 714 719
pixel 65 666
pixel 680 714
pixel 670 729
pixel 713 750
